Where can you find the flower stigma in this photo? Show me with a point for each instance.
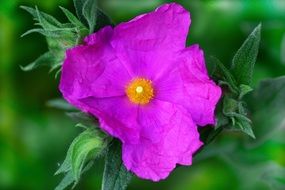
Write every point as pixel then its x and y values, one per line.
pixel 140 91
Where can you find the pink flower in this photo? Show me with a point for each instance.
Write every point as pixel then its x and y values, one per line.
pixel 146 88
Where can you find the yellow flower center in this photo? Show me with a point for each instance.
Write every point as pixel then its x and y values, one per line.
pixel 140 91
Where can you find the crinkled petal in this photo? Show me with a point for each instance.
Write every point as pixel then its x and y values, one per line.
pixel 117 116
pixel 163 133
pixel 146 44
pixel 203 93
pixel 178 142
pixel 94 80
pixel 93 70
pixel 190 86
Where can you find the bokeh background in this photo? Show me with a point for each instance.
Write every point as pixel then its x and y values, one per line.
pixel 34 137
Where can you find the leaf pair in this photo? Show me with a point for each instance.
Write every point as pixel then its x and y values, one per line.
pixel 237 81
pixel 238 78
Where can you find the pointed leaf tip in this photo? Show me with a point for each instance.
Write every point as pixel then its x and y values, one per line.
pixel 245 58
pixel 72 18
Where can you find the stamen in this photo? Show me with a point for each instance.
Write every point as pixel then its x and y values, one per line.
pixel 140 91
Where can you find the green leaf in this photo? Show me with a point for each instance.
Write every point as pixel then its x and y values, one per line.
pixel 234 110
pixel 66 165
pixel 102 20
pixel 43 60
pixel 245 58
pixel 56 66
pixel 59 36
pixel 88 144
pixel 83 118
pixel 69 178
pixel 66 181
pixel 52 33
pixel 60 103
pixel 245 127
pixel 45 20
pixel 34 30
pixel 222 120
pixel 72 18
pixel 84 148
pixel 244 89
pixel 90 13
pixel 78 4
pixel 222 73
pixel 230 105
pixel 116 176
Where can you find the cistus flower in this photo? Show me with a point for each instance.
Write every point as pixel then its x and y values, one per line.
pixel 146 88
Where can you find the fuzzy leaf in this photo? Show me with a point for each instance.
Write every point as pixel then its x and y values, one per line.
pixel 72 18
pixel 66 165
pixel 116 176
pixel 234 110
pixel 66 181
pixel 59 36
pixel 245 127
pixel 69 178
pixel 51 33
pixel 43 18
pixel 78 4
pixel 90 13
pixel 34 30
pixel 245 58
pixel 43 60
pixel 223 73
pixel 230 105
pixel 244 89
pixel 88 145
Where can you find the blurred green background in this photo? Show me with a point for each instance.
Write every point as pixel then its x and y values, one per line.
pixel 34 138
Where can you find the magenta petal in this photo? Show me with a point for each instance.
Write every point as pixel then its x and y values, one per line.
pixel 147 43
pixel 154 119
pixel 177 144
pixel 162 133
pixel 203 94
pixel 190 86
pixel 100 37
pixel 166 27
pixel 117 116
pixel 93 70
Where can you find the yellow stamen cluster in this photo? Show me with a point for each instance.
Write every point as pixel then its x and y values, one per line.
pixel 140 91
